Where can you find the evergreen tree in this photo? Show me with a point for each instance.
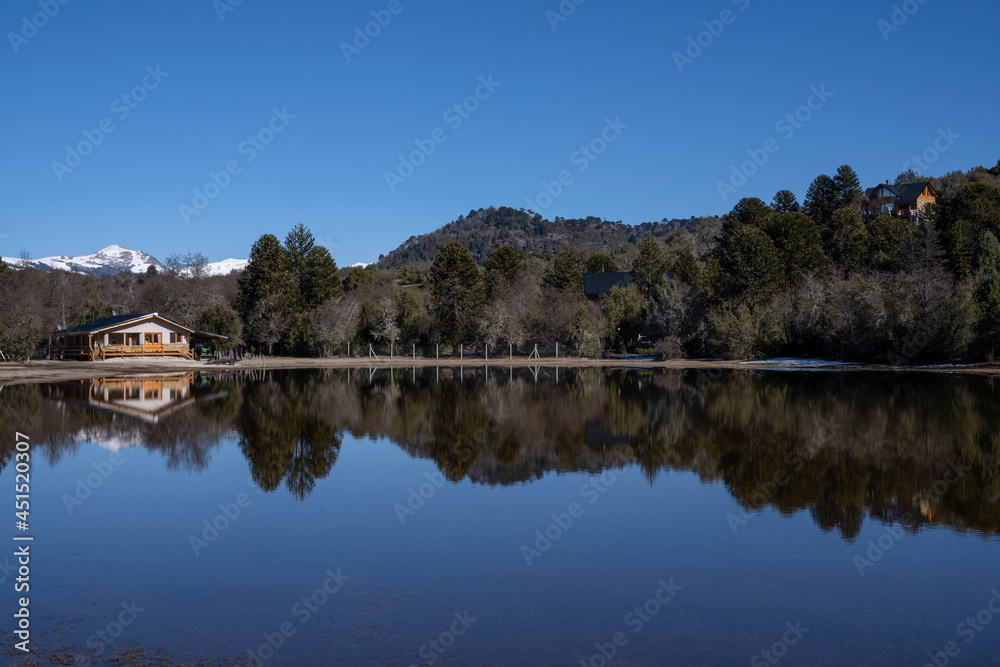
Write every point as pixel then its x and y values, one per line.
pixel 847 190
pixel 322 278
pixel 357 276
pixel 266 290
pixel 456 293
pixel 686 267
pixel 649 266
pixel 749 211
pixel 223 320
pixel 299 243
pixel 601 262
pixel 566 271
pixel 501 269
pixel 847 240
pixel 820 200
pixel 986 283
pixel 749 267
pixel 785 202
pixel 799 244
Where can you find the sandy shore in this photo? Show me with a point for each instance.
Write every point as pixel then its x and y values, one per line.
pixel 57 371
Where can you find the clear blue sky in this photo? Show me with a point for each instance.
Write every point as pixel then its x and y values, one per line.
pixel 327 166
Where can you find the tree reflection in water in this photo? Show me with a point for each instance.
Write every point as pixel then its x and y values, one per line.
pixel 841 446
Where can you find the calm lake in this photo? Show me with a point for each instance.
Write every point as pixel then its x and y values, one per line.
pixel 509 517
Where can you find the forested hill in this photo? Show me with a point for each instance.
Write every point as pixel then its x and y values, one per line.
pixel 486 230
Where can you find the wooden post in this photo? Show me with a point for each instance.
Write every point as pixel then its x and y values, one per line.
pixel 390 349
pixel 348 348
pixel 512 351
pixel 461 351
pixel 486 346
pixel 557 350
pixel 414 351
pixel 437 350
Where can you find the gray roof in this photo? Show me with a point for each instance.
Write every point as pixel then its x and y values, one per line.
pixel 118 320
pixel 906 193
pixel 597 284
pixel 108 322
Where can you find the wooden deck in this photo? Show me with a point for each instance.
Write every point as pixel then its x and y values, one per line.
pixel 102 352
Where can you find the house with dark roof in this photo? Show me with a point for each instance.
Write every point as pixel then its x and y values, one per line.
pixel 902 200
pixel 599 284
pixel 133 335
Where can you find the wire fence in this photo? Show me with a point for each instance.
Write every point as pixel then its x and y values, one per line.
pixel 478 351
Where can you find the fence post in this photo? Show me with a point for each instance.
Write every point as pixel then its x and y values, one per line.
pixel 557 350
pixel 437 350
pixel 461 351
pixel 414 351
pixel 486 346
pixel 348 348
pixel 512 351
pixel 390 349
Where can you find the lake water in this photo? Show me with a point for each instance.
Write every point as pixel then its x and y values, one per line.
pixel 458 517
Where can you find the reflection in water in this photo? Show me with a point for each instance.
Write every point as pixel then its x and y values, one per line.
pixel 843 447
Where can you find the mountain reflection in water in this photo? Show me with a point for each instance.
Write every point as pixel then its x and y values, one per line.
pixel 843 447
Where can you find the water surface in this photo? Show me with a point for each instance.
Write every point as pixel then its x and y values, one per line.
pixel 514 518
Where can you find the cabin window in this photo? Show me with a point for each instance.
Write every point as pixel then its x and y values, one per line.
pixel 173 338
pixel 132 339
pixel 152 338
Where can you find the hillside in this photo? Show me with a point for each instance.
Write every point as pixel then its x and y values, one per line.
pixel 485 230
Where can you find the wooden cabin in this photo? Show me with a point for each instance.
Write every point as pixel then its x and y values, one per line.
pixel 134 335
pixel 902 200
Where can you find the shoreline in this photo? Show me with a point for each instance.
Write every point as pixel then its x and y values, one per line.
pixel 42 371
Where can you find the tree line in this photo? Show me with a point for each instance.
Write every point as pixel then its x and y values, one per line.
pixel 821 278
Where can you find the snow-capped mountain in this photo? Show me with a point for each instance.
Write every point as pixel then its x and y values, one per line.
pixel 113 260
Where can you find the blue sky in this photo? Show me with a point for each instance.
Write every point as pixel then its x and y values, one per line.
pixel 554 85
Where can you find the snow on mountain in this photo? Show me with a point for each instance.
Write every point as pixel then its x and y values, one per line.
pixel 113 260
pixel 226 266
pixel 363 265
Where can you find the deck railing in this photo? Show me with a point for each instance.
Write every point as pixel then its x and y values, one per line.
pixel 112 351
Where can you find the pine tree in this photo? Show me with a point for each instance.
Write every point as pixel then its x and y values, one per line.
pixel 649 266
pixel 566 271
pixel 456 293
pixel 266 289
pixel 501 269
pixel 686 267
pixel 847 190
pixel 749 211
pixel 322 278
pixel 820 200
pixel 785 202
pixel 986 283
pixel 601 262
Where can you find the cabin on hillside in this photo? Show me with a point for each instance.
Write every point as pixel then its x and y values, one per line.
pixel 596 285
pixel 902 200
pixel 134 335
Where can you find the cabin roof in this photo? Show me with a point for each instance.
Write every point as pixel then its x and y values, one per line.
pixel 597 284
pixel 906 193
pixel 119 320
